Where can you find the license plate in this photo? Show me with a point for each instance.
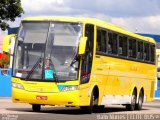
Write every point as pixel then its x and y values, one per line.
pixel 42 97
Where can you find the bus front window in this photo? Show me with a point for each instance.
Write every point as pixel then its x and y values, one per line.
pixel 48 46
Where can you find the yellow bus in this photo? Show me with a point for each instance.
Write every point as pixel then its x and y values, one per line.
pixel 84 62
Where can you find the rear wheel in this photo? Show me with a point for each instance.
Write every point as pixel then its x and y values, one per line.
pixel 36 108
pixel 131 106
pixel 140 101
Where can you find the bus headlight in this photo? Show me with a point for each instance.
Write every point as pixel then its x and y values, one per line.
pixel 17 85
pixel 69 88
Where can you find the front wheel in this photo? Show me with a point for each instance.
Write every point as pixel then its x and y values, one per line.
pixel 89 109
pixel 36 108
pixel 93 103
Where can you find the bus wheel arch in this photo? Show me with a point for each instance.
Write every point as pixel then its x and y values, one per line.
pixel 95 92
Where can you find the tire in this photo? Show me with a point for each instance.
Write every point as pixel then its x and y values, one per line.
pixel 131 107
pixel 36 108
pixel 99 108
pixel 140 101
pixel 89 109
pixel 93 103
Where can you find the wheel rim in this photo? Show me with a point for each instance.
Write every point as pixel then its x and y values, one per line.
pixel 140 100
pixel 133 102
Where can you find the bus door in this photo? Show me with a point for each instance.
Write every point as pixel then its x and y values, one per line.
pixel 86 66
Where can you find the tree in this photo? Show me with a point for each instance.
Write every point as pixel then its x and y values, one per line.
pixel 9 10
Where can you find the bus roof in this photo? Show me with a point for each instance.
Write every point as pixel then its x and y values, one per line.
pixel 94 21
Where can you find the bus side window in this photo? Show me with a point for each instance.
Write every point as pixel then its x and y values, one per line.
pixel 132 48
pixel 115 40
pixel 101 41
pixel 122 46
pixel 99 47
pixel 140 50
pixel 112 43
pixel 146 52
pixel 152 53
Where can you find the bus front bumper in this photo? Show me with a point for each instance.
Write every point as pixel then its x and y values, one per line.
pixel 68 98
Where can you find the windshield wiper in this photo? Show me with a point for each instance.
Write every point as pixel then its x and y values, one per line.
pixel 33 68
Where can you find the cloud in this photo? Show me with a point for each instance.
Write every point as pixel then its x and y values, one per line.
pixel 47 7
pixel 130 14
pixel 112 8
pixel 118 8
pixel 148 24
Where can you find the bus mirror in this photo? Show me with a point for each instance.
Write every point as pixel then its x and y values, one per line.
pixel 7 42
pixel 82 45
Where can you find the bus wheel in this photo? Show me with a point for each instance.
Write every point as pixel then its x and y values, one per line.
pixel 36 108
pixel 131 106
pixel 93 103
pixel 99 108
pixel 140 101
pixel 89 109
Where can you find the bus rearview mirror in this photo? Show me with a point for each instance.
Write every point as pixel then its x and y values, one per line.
pixel 82 45
pixel 7 43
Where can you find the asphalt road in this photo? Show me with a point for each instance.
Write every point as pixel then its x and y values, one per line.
pixel 12 111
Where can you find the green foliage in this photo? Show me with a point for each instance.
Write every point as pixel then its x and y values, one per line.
pixel 9 10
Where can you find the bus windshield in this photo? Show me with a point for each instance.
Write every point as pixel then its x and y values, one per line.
pixel 46 50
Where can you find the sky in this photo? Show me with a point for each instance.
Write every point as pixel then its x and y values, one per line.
pixel 142 16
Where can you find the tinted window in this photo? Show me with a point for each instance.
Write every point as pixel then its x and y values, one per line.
pixel 132 48
pixel 146 52
pixel 122 46
pixel 140 50
pixel 152 48
pixel 101 40
pixel 112 43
